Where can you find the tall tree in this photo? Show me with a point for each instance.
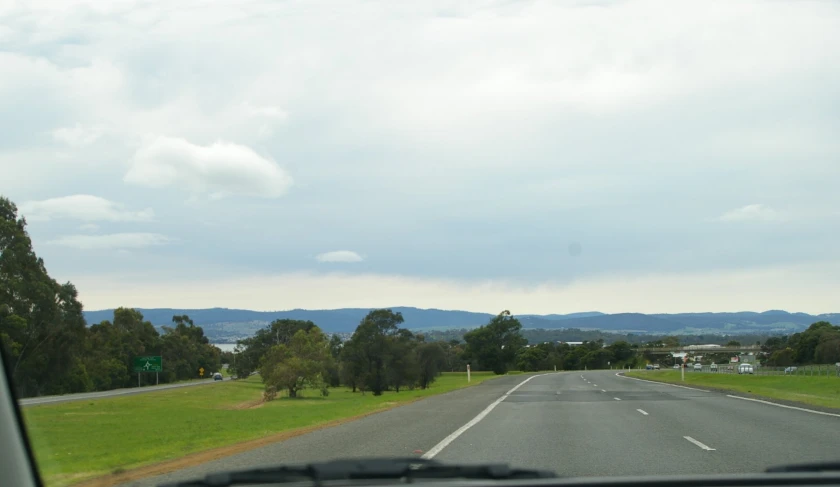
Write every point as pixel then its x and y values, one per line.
pixel 431 359
pixel 495 344
pixel 41 321
pixel 279 332
pixel 299 364
pixel 372 341
pixel 401 359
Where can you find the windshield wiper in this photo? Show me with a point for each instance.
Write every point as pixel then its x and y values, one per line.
pixel 806 467
pixel 408 469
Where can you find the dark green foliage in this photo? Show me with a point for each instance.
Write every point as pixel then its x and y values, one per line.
pixel 48 344
pixel 494 346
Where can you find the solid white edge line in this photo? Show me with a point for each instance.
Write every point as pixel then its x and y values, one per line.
pixel 455 434
pixel 663 383
pixel 784 406
pixel 643 412
pixel 698 443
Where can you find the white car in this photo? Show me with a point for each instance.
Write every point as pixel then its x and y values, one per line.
pixel 746 369
pixel 698 366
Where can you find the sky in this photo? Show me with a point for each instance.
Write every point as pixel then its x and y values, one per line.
pixel 537 156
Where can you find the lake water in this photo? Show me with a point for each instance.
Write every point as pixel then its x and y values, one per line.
pixel 225 347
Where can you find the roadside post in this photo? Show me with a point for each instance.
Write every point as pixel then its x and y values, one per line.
pixel 468 372
pixel 682 369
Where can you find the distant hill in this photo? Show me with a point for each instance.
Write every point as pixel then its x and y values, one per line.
pixel 334 320
pixel 225 325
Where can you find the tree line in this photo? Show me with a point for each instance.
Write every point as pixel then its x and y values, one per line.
pixel 292 355
pixel 819 344
pixel 48 346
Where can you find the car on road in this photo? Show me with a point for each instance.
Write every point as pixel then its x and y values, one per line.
pixel 676 366
pixel 217 376
pixel 713 367
pixel 698 366
pixel 790 370
pixel 746 369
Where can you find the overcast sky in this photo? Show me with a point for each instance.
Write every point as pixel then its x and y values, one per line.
pixel 538 156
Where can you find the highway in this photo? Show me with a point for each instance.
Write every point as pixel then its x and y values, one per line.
pixel 33 401
pixel 575 423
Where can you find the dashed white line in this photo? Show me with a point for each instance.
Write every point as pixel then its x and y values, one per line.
pixel 455 434
pixel 643 412
pixel 784 406
pixel 617 399
pixel 594 385
pixel 701 445
pixel 603 390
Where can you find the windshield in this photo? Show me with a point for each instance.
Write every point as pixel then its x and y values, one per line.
pixel 593 237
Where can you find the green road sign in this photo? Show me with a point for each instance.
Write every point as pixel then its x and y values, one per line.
pixel 148 364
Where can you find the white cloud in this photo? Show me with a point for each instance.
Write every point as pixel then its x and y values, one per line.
pixel 339 256
pixel 219 169
pixel 755 212
pixel 83 207
pixel 112 241
pixel 77 136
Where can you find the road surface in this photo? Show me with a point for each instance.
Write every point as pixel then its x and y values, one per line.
pixel 32 401
pixel 575 423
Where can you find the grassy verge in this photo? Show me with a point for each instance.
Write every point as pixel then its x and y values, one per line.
pixel 79 440
pixel 817 391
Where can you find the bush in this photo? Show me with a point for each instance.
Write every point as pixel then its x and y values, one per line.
pixel 270 393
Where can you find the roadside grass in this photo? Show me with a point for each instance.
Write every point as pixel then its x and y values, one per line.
pixel 813 390
pixel 79 440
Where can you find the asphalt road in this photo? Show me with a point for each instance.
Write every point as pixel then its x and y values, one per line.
pixel 32 401
pixel 577 424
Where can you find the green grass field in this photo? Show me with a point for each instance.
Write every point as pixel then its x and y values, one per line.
pixel 817 391
pixel 79 440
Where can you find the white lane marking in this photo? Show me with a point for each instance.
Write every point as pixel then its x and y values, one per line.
pixel 617 399
pixel 639 410
pixel 449 439
pixel 581 377
pixel 603 390
pixel 663 383
pixel 595 385
pixel 698 443
pixel 784 406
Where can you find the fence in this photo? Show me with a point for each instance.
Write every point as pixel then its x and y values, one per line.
pixel 798 370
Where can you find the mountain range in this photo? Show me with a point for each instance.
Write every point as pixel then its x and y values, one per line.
pixel 224 325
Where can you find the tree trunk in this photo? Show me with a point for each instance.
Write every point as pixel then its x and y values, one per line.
pixel 292 392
